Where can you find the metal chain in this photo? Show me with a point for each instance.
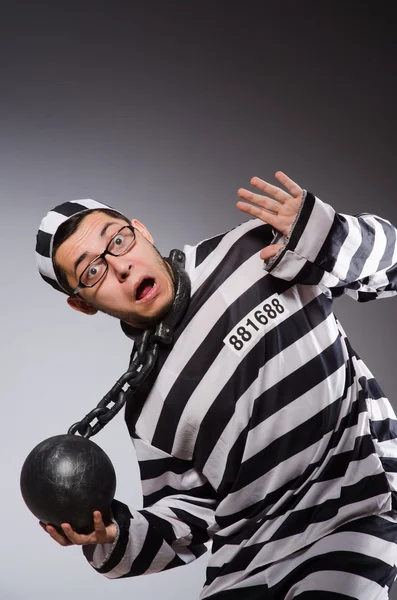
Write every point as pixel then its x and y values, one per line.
pixel 145 356
pixel 144 360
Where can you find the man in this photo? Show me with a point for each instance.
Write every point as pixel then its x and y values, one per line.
pixel 260 428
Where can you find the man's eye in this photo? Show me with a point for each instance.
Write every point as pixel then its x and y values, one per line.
pixel 118 240
pixel 93 271
pixel 119 243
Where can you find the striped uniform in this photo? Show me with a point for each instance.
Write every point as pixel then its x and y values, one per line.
pixel 261 430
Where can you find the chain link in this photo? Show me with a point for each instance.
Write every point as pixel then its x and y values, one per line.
pixel 146 352
pixel 141 365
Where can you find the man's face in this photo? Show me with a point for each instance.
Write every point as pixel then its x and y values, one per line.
pixel 137 287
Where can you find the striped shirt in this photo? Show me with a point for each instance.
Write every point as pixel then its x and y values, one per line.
pixel 261 430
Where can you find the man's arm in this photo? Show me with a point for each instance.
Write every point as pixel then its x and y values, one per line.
pixel 314 245
pixel 172 528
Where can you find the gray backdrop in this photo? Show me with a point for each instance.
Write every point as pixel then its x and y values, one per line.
pixel 164 109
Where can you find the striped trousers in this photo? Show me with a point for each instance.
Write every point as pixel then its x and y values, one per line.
pixel 356 561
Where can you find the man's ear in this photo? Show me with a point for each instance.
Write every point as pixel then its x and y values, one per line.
pixel 81 305
pixel 142 229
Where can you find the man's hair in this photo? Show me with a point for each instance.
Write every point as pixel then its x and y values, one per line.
pixel 68 228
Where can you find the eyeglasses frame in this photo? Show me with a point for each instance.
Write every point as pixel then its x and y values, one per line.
pixel 81 285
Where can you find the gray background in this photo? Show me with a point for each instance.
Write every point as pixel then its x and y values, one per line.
pixel 164 109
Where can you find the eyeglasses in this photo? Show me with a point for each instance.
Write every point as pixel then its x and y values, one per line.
pixel 120 243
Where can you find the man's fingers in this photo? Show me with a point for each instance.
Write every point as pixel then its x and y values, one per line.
pixel 99 526
pixel 70 537
pixel 56 536
pixel 287 182
pixel 98 522
pixel 73 536
pixel 270 251
pixel 259 200
pixel 98 536
pixel 272 190
pixel 257 211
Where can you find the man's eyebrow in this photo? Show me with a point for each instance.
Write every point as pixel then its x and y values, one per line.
pixel 105 227
pixel 85 254
pixel 79 260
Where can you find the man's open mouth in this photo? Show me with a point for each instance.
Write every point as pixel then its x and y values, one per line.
pixel 144 288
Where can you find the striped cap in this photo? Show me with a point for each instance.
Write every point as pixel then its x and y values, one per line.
pixel 49 226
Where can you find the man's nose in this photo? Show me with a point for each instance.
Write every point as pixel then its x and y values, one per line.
pixel 120 265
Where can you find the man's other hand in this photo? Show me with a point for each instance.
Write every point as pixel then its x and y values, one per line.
pixel 100 535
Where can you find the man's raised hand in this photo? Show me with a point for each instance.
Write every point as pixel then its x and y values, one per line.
pixel 279 208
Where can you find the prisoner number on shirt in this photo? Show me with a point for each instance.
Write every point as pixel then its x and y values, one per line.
pixel 263 317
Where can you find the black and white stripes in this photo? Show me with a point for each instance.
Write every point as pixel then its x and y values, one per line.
pixel 48 227
pixel 267 438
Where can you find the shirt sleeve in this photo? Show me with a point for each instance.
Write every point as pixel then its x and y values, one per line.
pixel 172 529
pixel 344 254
